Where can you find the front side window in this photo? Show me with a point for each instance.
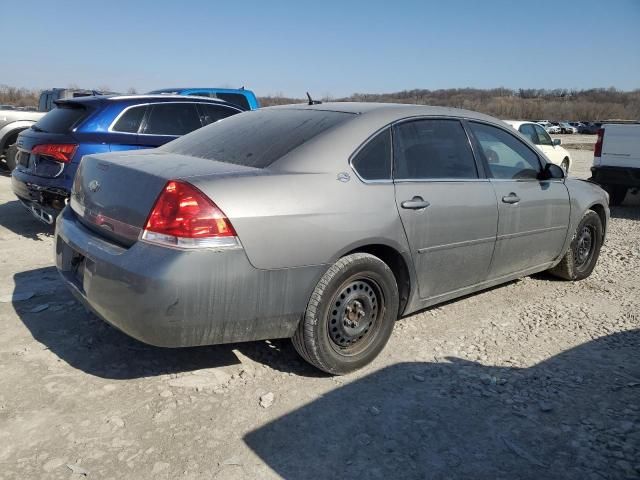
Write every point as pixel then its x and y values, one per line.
pixel 212 113
pixel 432 149
pixel 373 161
pixel 507 157
pixel 542 136
pixel 172 119
pixel 130 120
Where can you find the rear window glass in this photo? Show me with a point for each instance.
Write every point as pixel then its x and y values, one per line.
pixel 61 119
pixel 257 138
pixel 234 98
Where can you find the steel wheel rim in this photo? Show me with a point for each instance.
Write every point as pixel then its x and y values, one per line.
pixel 585 247
pixel 354 315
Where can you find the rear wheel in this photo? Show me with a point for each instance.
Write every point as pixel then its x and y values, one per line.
pixel 583 253
pixel 616 194
pixel 350 315
pixel 10 157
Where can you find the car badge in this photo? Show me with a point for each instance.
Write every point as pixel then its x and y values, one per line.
pixel 343 177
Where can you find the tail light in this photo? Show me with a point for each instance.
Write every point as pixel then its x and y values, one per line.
pixel 62 152
pixel 184 217
pixel 597 149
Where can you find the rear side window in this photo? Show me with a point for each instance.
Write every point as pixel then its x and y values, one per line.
pixel 172 119
pixel 373 161
pixel 256 138
pixel 130 120
pixel 62 118
pixel 212 113
pixel 235 98
pixel 433 149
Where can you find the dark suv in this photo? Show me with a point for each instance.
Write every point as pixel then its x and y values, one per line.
pixel 49 152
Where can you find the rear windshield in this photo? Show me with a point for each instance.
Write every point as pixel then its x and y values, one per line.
pixel 258 138
pixel 61 119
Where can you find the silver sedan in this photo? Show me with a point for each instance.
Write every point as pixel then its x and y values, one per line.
pixel 323 223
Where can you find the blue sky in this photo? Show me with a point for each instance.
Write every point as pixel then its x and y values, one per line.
pixel 326 47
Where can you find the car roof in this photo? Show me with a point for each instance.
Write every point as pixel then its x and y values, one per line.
pixel 393 111
pixel 143 98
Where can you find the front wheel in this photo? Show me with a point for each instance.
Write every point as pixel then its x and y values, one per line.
pixel 565 165
pixel 350 315
pixel 583 253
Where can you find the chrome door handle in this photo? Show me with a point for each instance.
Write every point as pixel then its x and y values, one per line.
pixel 511 198
pixel 416 203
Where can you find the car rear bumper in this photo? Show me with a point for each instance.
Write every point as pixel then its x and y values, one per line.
pixel 50 194
pixel 173 298
pixel 623 176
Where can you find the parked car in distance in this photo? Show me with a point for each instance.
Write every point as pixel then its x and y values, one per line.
pixel 541 139
pixel 12 122
pixel 616 160
pixel 49 152
pixel 7 107
pixel 48 98
pixel 237 96
pixel 567 128
pixel 592 128
pixel 579 126
pixel 552 128
pixel 225 236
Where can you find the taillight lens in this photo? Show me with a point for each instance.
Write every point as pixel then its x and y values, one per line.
pixel 61 152
pixel 597 149
pixel 185 217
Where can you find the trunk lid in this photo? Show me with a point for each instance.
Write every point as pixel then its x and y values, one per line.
pixel 114 193
pixel 36 164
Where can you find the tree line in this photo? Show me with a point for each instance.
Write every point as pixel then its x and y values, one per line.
pixel 533 104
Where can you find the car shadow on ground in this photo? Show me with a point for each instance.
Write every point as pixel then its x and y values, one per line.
pixel 14 217
pixel 59 322
pixel 573 416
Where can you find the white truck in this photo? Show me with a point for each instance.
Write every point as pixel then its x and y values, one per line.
pixel 616 160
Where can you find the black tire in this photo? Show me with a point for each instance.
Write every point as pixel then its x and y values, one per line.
pixel 565 165
pixel 583 253
pixel 616 194
pixel 10 159
pixel 332 335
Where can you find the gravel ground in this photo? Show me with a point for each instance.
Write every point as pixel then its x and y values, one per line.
pixel 535 379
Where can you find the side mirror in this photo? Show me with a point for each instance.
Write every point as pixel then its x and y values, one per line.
pixel 552 171
pixel 557 141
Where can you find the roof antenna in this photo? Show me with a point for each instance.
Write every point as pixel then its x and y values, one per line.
pixel 312 101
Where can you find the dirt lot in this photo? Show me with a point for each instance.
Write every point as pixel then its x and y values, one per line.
pixel 536 379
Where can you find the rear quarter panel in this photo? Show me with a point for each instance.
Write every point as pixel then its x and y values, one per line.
pixel 287 220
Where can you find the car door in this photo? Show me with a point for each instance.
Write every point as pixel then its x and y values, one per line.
pixel 123 132
pixel 533 213
pixel 448 209
pixel 166 121
pixel 546 146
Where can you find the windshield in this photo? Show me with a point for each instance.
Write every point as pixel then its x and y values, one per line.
pixel 257 138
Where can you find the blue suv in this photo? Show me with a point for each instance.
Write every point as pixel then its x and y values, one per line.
pixel 49 152
pixel 238 96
